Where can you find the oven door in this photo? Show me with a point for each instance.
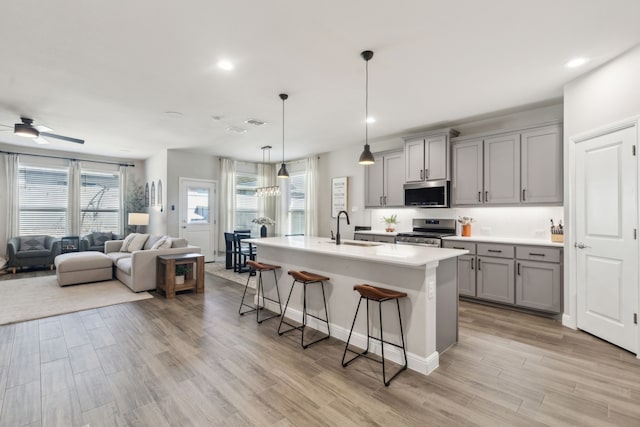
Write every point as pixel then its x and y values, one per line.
pixel 429 194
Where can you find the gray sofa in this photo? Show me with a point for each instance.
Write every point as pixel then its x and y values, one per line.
pixel 31 251
pixel 137 269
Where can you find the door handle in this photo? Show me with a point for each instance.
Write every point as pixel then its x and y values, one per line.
pixel 421 173
pixel 580 245
pixel 518 269
pixel 472 263
pixel 426 174
pixel 486 196
pixel 480 196
pixel 494 250
pixel 479 264
pixel 380 200
pixel 524 194
pixel 184 226
pixel 384 199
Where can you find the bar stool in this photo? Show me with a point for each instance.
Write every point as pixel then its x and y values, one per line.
pixel 305 278
pixel 379 295
pixel 255 266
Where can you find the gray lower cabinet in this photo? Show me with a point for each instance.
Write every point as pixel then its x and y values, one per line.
pixel 495 279
pixel 369 237
pixel 467 275
pixel 524 276
pixel 538 285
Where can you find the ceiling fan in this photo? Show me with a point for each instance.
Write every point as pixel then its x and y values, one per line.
pixel 37 133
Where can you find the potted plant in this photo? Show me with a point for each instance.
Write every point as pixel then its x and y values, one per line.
pixel 390 221
pixel 263 221
pixel 466 225
pixel 181 271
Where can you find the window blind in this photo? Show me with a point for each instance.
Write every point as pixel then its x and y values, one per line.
pixel 99 201
pixel 43 195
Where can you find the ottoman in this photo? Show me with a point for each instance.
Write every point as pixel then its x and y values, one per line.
pixel 83 267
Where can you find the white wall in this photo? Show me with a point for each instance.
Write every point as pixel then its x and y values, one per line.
pixel 186 165
pixel 605 95
pixel 156 170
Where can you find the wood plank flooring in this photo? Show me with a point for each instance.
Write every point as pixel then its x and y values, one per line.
pixel 192 361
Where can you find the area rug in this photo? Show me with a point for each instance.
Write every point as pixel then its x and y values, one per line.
pixel 38 297
pixel 218 269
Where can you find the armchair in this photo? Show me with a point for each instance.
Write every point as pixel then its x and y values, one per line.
pixel 29 251
pixel 95 241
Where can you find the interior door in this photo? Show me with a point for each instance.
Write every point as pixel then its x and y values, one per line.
pixel 606 201
pixel 197 215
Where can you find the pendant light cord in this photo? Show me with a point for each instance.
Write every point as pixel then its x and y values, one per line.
pixel 283 130
pixel 366 104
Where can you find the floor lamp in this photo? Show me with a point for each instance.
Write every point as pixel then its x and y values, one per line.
pixel 138 219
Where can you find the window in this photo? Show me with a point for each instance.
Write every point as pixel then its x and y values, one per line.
pixel 246 200
pixel 295 209
pixel 99 201
pixel 43 198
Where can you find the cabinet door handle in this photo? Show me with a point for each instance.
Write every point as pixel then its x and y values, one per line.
pixel 384 198
pixel 518 269
pixel 480 196
pixel 421 174
pixel 458 247
pixel 479 264
pixel 486 196
pixel 380 200
pixel 534 254
pixel 472 263
pixel 426 174
pixel 524 194
pixel 494 250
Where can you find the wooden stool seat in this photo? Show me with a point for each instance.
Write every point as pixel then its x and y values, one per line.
pixel 259 266
pixel 305 276
pixel 378 294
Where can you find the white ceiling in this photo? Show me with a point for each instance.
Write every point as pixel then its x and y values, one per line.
pixel 109 71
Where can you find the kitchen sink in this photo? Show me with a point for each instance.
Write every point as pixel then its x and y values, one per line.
pixel 355 243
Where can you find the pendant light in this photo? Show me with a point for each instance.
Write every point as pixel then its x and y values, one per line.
pixel 366 158
pixel 282 173
pixel 272 190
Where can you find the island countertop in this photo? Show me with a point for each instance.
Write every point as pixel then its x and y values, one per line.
pixel 405 255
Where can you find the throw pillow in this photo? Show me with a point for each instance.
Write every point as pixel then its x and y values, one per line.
pixel 32 243
pixel 137 243
pixel 152 241
pixel 178 243
pixel 99 238
pixel 127 241
pixel 162 243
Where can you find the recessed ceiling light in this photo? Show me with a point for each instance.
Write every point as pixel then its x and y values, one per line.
pixel 225 64
pixel 371 120
pixel 255 122
pixel 174 114
pixel 236 129
pixel 576 62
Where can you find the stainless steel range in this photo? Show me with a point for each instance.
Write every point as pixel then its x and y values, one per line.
pixel 428 232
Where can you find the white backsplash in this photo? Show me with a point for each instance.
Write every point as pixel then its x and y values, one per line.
pixel 515 222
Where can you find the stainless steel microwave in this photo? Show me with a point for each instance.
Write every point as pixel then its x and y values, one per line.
pixel 428 194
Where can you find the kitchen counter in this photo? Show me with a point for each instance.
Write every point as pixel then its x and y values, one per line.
pixel 506 240
pixel 427 275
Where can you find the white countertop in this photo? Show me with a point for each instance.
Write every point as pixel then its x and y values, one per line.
pixel 507 240
pixel 387 253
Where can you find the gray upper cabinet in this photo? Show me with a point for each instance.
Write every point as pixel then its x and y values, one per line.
pixel 502 169
pixel 467 173
pixel 542 165
pixel 522 167
pixel 384 180
pixel 427 156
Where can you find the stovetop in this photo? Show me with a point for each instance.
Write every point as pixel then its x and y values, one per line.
pixel 431 234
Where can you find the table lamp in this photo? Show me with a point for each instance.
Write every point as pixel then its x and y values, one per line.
pixel 138 219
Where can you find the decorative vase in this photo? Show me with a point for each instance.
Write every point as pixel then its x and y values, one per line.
pixel 389 229
pixel 263 231
pixel 180 280
pixel 466 230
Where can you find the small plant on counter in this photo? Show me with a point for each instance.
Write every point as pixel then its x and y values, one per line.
pixel 465 220
pixel 390 220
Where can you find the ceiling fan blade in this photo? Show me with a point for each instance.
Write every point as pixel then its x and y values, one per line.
pixel 64 138
pixel 43 128
pixel 6 126
pixel 40 140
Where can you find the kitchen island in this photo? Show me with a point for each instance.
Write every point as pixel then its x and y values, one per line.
pixel 428 275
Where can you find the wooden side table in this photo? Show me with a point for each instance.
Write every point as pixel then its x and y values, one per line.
pixel 166 273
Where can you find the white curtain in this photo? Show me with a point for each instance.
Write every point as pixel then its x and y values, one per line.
pixel 73 217
pixel 311 197
pixel 267 178
pixel 124 190
pixel 228 195
pixel 11 192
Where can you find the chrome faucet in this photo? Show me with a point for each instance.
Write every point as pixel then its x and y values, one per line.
pixel 338 225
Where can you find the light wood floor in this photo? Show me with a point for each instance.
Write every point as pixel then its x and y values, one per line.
pixel 193 361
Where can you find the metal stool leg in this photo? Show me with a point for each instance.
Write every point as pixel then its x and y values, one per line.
pixel 346 347
pixel 246 286
pixel 284 312
pixel 305 314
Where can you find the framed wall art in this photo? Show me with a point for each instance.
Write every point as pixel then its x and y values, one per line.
pixel 338 195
